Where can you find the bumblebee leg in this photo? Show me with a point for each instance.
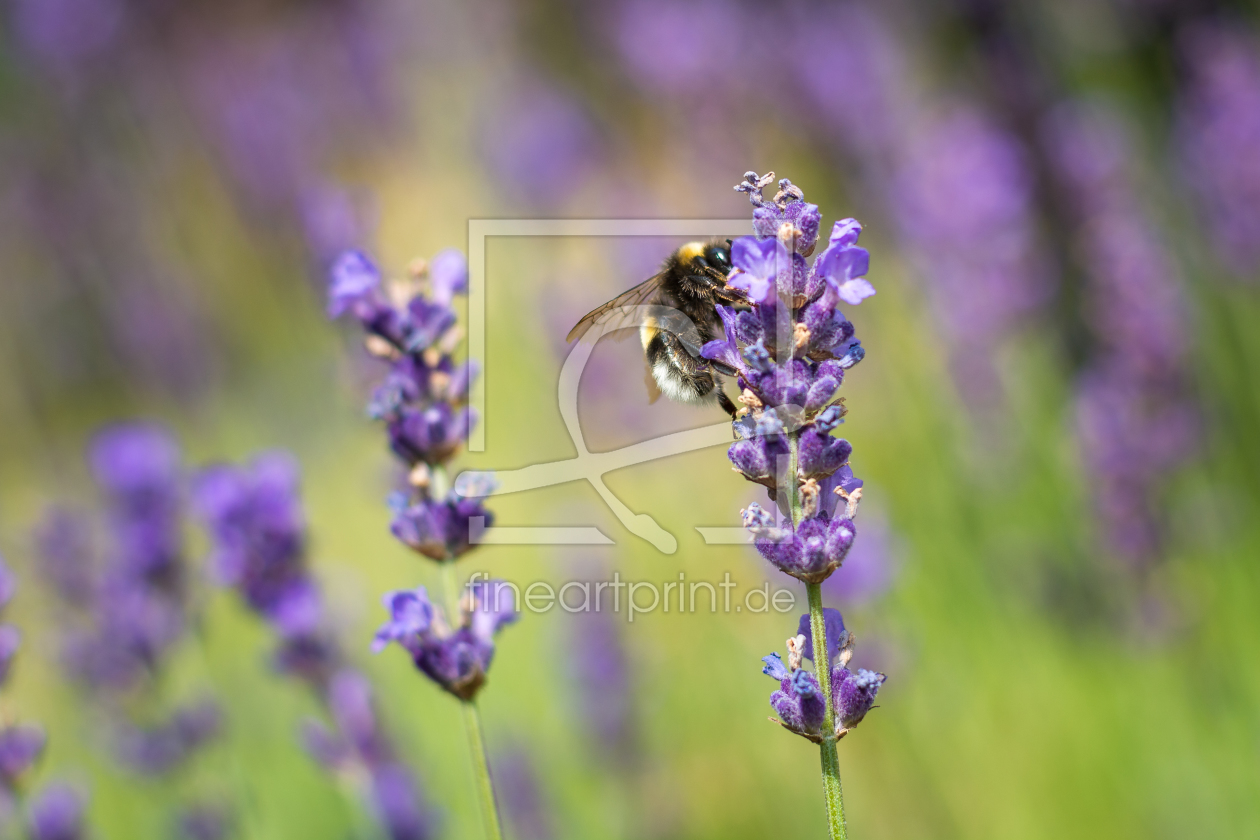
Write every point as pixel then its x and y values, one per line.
pixel 680 376
pixel 725 402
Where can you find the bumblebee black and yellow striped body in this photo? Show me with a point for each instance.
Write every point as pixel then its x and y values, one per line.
pixel 676 310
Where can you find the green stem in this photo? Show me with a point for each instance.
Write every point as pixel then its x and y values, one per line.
pixel 822 666
pixel 481 768
pixel 472 725
pixel 830 758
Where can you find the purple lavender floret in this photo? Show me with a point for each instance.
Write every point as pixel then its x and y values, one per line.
pixel 798 700
pixel 1219 138
pixel 457 659
pixel 57 813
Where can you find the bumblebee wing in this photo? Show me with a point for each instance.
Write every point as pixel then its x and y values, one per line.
pixel 621 310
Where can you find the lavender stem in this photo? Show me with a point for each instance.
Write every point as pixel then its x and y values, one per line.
pixel 472 724
pixel 830 757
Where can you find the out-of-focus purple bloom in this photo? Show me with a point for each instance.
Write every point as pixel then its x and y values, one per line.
pixel 964 202
pixel 456 659
pixel 539 144
pixel 354 280
pixel 516 786
pixel 57 813
pixel 135 461
pixel 156 750
pixel 1219 138
pixel 600 669
pixel 255 518
pixel 64 35
pixel 869 567
pixel 851 41
pixel 1133 417
pixel 20 746
pixel 10 641
pixel 398 803
pixel 66 555
pixel 204 822
pixel 662 48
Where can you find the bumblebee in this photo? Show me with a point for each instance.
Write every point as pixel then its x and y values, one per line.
pixel 676 311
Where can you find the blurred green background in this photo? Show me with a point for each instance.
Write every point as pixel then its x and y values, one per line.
pixel 175 176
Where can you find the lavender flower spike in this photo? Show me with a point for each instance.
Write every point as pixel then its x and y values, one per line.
pixel 790 354
pixel 423 402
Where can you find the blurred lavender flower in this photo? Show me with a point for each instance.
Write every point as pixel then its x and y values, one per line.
pixel 662 50
pixel 57 813
pixel 601 674
pixel 869 568
pixel 20 745
pixel 258 529
pixel 539 144
pixel 964 202
pixel 203 822
pixel 517 784
pixel 457 658
pixel 852 41
pixel 799 699
pixel 135 602
pixel 1134 420
pixel 1219 138
pixel 156 750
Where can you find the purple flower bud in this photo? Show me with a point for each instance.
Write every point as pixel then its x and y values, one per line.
pixel 399 805
pixel 20 745
pixel 439 530
pixel 813 551
pixel 57 813
pixel 457 659
pixel 432 434
pixel 820 454
pixel 354 283
pixel 854 694
pixel 411 615
pixel 448 275
pixel 10 641
pixel 8 585
pixel 833 623
pixel 136 459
